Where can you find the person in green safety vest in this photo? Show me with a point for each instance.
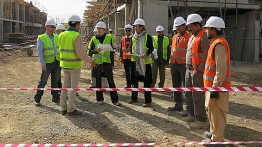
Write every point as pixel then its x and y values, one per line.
pixel 105 60
pixel 113 37
pixel 142 47
pixel 72 52
pixel 47 45
pixel 162 50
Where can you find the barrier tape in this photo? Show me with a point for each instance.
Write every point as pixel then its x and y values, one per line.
pixel 193 89
pixel 133 144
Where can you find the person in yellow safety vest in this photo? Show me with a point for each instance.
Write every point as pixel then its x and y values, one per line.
pixel 72 52
pixel 113 37
pixel 101 47
pixel 196 55
pixel 142 47
pixel 93 78
pixel 162 50
pixel 47 45
pixel 217 74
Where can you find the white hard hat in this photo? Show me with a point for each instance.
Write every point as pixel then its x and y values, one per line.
pixel 215 22
pixel 179 21
pixel 110 30
pixel 128 26
pixel 159 28
pixel 50 22
pixel 60 27
pixel 101 24
pixel 139 21
pixel 174 28
pixel 74 18
pixel 192 18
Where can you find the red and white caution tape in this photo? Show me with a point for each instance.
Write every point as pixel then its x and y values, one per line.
pixel 133 144
pixel 193 89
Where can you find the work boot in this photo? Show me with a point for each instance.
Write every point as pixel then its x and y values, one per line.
pixel 131 102
pixel 117 104
pixel 146 105
pixel 175 108
pixel 189 118
pixel 100 102
pixel 198 125
pixel 37 104
pixel 208 134
pixel 64 112
pixel 75 112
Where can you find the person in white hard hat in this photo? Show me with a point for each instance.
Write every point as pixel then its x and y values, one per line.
pixel 47 45
pixel 105 61
pixel 162 50
pixel 195 64
pixel 217 74
pixel 142 47
pixel 178 61
pixel 60 28
pixel 125 49
pixel 72 52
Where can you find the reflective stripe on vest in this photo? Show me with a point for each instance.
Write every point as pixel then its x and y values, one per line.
pixel 165 45
pixel 196 55
pixel 48 50
pixel 104 56
pixel 178 50
pixel 210 67
pixel 124 49
pixel 147 60
pixel 68 56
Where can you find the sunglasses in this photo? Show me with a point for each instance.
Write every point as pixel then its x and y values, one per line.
pixel 128 30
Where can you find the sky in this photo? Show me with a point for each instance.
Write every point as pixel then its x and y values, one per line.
pixel 61 10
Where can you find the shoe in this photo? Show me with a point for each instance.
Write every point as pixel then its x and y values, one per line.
pixel 175 108
pixel 75 112
pixel 184 113
pixel 198 125
pixel 77 94
pixel 189 118
pixel 56 100
pixel 37 104
pixel 128 86
pixel 64 112
pixel 208 134
pixel 117 104
pixel 146 105
pixel 131 102
pixel 100 102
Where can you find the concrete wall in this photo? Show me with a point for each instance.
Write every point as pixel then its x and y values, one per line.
pixel 1 21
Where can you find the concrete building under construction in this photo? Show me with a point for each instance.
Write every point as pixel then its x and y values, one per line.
pixel 242 18
pixel 18 20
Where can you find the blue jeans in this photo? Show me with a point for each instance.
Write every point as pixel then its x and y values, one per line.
pixel 55 71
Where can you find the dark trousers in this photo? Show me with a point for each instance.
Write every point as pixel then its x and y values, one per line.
pixel 147 82
pixel 107 69
pixel 127 66
pixel 55 71
pixel 178 72
pixel 162 74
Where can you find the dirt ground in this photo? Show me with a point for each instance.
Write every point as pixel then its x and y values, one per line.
pixel 22 122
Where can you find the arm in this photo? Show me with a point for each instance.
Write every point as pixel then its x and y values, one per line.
pixel 204 46
pixel 149 45
pixel 220 56
pixel 40 50
pixel 80 50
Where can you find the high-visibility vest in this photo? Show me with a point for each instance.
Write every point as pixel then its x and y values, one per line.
pixel 104 56
pixel 48 49
pixel 89 45
pixel 196 54
pixel 147 60
pixel 210 67
pixel 178 50
pixel 68 56
pixel 125 49
pixel 165 45
pixel 113 39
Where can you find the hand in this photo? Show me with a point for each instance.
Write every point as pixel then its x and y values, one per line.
pixel 44 68
pixel 99 50
pixel 93 63
pixel 144 56
pixel 214 95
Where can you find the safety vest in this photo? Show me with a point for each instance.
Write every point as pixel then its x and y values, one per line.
pixel 124 49
pixel 165 45
pixel 89 45
pixel 68 56
pixel 113 39
pixel 178 50
pixel 104 56
pixel 147 60
pixel 48 49
pixel 210 67
pixel 196 54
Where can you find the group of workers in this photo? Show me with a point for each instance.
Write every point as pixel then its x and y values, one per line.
pixel 199 56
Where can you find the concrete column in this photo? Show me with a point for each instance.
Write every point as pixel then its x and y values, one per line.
pixel 17 11
pixel 127 10
pixel 139 7
pixel 257 46
pixel 111 21
pixel 118 24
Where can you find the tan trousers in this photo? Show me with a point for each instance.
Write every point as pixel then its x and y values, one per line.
pixel 217 114
pixel 71 80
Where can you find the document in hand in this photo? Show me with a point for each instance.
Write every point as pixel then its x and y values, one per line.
pixel 105 47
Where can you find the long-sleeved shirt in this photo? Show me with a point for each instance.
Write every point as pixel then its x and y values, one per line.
pixel 128 41
pixel 204 46
pixel 101 40
pixel 40 49
pixel 220 55
pixel 160 60
pixel 80 50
